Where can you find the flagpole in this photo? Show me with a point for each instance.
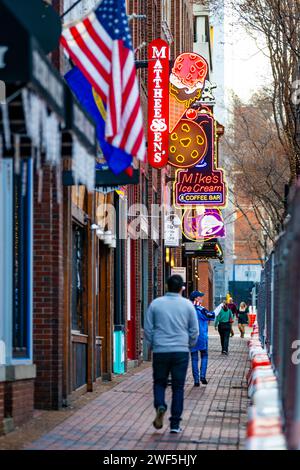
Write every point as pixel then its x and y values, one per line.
pixel 70 9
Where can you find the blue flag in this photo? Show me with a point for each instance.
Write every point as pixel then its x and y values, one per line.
pixel 117 159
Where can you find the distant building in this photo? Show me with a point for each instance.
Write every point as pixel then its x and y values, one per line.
pixel 209 42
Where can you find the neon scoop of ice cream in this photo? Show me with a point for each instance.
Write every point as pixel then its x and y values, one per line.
pixel 189 70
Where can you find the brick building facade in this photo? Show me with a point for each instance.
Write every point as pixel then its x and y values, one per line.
pixel 89 295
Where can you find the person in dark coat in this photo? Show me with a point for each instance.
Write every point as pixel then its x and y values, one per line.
pixel 232 306
pixel 243 318
pixel 223 324
pixel 204 316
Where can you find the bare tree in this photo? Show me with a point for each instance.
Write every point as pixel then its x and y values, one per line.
pixel 258 168
pixel 278 22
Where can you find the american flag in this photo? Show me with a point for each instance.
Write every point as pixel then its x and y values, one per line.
pixel 100 45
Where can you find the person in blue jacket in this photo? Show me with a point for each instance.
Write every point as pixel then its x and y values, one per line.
pixel 204 316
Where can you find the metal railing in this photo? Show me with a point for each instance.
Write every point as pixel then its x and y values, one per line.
pixel 279 319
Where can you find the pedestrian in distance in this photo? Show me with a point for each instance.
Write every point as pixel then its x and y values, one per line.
pixel 171 328
pixel 223 323
pixel 232 306
pixel 204 316
pixel 243 318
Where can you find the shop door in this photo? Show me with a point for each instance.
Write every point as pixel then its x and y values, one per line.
pixel 131 304
pixel 79 338
pixel 103 314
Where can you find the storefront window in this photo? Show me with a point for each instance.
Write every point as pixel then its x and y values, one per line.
pixel 78 279
pixel 22 297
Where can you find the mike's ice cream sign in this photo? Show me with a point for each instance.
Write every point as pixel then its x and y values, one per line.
pixel 192 148
pixel 192 137
pixel 158 103
pixel 195 188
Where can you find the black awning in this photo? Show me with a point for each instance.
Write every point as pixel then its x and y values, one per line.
pixel 211 249
pixel 38 18
pixel 23 62
pixel 105 178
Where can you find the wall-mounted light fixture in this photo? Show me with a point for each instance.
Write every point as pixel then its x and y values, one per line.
pixel 135 16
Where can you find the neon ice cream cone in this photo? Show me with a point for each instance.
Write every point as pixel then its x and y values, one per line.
pixel 186 84
pixel 176 111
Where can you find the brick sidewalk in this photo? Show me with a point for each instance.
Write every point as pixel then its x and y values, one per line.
pixel 214 415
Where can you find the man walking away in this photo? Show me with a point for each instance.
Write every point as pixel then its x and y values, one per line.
pixel 223 323
pixel 171 328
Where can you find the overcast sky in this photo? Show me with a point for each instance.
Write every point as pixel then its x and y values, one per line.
pixel 246 65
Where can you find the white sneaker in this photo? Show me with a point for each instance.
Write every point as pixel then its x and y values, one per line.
pixel 175 430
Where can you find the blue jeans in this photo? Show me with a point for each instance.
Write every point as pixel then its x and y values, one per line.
pixel 195 364
pixel 176 364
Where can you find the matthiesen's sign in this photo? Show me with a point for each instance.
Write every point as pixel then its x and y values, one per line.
pixel 158 103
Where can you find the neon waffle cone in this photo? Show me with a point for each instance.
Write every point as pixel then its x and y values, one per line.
pixel 176 111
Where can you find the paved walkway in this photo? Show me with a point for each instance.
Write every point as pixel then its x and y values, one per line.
pixel 214 415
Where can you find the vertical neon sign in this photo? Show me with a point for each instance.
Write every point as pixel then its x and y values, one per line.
pixel 158 103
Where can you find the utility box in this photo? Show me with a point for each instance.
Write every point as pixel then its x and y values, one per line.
pixel 119 350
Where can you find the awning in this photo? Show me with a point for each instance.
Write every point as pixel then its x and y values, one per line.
pixel 105 178
pixel 22 62
pixel 38 18
pixel 210 249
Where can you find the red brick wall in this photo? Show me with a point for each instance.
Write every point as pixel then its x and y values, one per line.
pixel 245 240
pixel 146 31
pixel 205 275
pixel 19 400
pixel 48 296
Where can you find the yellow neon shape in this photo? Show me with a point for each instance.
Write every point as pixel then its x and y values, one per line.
pixel 194 154
pixel 180 158
pixel 185 142
pixel 172 149
pixel 185 128
pixel 174 136
pixel 200 140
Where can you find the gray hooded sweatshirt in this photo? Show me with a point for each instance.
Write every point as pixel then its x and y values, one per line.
pixel 171 324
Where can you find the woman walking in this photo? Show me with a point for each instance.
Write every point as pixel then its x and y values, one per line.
pixel 243 318
pixel 204 316
pixel 223 324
